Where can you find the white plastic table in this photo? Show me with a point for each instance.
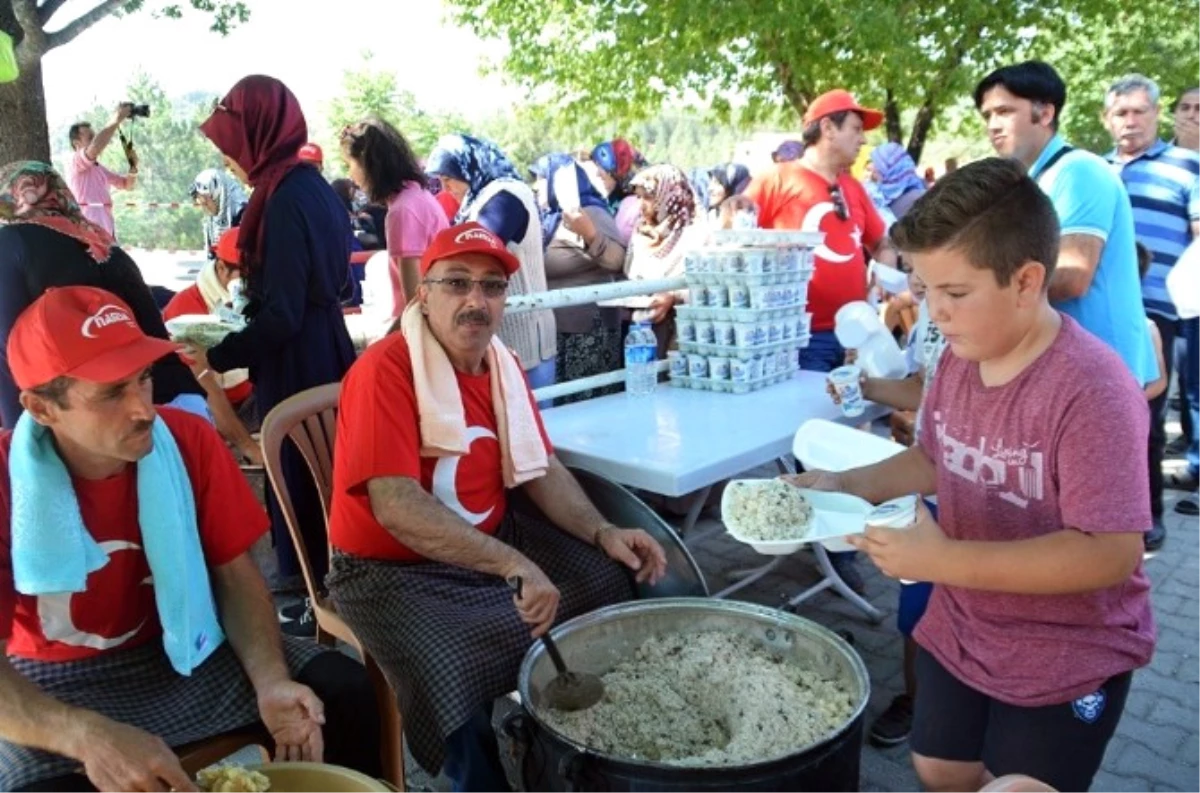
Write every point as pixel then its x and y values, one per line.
pixel 679 441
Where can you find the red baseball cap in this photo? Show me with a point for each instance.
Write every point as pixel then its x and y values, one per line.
pixel 81 332
pixel 468 238
pixel 836 101
pixel 311 152
pixel 226 248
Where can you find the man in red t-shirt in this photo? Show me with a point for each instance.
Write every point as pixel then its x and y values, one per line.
pixel 229 394
pixel 817 193
pixel 429 541
pixel 91 681
pixel 1040 609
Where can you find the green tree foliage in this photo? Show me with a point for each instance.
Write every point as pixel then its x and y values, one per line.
pixel 172 151
pixel 368 91
pixel 23 129
pixel 620 61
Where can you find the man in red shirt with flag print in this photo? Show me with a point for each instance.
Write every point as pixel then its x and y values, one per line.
pixel 817 193
pixel 439 567
pixel 132 617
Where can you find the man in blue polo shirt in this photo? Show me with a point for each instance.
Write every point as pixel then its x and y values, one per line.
pixel 1164 185
pixel 1096 277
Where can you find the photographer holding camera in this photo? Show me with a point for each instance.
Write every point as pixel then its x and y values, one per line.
pixel 88 179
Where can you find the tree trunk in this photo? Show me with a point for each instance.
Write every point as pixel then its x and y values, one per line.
pixel 920 130
pixel 891 115
pixel 24 134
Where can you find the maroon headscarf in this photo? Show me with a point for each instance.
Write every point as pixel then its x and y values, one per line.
pixel 258 125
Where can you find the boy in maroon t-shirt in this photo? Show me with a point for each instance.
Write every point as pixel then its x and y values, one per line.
pixel 1040 609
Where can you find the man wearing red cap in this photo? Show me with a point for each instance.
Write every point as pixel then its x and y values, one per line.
pixel 817 193
pixel 132 617
pixel 311 153
pixel 436 424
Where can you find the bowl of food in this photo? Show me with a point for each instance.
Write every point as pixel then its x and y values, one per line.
pixel 296 777
pixel 699 695
pixel 201 330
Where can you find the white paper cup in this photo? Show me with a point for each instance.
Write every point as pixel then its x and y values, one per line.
pixel 692 262
pixel 698 295
pixel 752 261
pixel 678 362
pixel 743 334
pixel 899 513
pixel 686 328
pixel 718 296
pixel 847 381
pixel 704 331
pixel 768 364
pixel 756 368
pixel 774 331
pixel 739 296
pixel 739 370
pixel 770 265
pixel 697 366
pixel 723 334
pixel 718 367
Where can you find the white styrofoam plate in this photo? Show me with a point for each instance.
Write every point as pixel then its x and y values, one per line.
pixel 822 445
pixel 835 515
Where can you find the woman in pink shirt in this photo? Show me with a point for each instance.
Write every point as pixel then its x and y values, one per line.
pixel 382 163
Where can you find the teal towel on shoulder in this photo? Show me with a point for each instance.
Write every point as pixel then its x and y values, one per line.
pixel 53 552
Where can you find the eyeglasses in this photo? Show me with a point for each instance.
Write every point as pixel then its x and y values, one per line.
pixel 461 287
pixel 839 203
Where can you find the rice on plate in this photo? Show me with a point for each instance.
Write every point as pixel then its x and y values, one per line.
pixel 767 510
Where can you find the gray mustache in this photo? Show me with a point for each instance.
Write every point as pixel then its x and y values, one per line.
pixel 473 318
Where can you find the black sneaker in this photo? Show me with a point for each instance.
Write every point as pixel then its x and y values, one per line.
pixel 304 626
pixel 847 570
pixel 294 611
pixel 894 724
pixel 1154 539
pixel 1177 446
pixel 1187 507
pixel 1181 480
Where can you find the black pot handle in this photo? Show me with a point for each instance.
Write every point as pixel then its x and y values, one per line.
pixel 516 727
pixel 572 768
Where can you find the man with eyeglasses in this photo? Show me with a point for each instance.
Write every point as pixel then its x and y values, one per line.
pixel 817 193
pixel 1163 181
pixel 439 570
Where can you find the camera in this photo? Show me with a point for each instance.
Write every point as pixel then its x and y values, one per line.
pixel 138 111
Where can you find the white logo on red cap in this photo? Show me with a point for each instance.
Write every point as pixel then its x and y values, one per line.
pixel 105 316
pixel 476 234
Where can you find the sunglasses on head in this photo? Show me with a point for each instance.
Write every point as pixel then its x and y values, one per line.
pixel 839 203
pixel 461 287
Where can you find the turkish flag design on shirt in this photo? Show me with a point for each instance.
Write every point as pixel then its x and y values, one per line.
pixel 378 437
pixel 790 196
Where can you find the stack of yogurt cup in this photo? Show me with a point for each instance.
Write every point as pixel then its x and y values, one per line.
pixel 745 322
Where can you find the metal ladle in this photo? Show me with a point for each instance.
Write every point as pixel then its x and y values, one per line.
pixel 567 690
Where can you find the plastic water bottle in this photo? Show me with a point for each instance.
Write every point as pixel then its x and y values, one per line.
pixel 640 350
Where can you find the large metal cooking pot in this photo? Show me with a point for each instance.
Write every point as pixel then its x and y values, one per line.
pixel 596 642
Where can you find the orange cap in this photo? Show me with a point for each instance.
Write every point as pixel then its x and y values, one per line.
pixel 836 101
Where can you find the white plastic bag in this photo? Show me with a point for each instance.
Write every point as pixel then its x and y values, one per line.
pixel 1183 282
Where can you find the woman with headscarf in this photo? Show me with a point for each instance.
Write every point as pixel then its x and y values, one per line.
pixel 222 200
pixel 490 191
pixel 382 163
pixel 668 230
pixel 45 242
pixel 294 243
pixel 583 248
pixel 611 167
pixel 894 175
pixel 725 181
pixel 788 151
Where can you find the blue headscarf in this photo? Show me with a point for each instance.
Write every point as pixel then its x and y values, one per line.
pixel 897 171
pixel 733 177
pixel 548 167
pixel 476 161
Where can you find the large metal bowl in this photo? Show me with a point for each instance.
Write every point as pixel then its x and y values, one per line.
pixel 598 641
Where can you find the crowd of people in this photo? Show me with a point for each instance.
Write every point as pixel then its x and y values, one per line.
pixel 1037 347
